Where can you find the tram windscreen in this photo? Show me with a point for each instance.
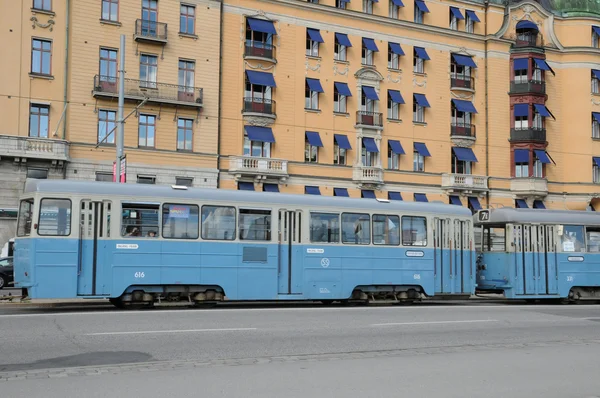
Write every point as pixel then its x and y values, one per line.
pixel 493 240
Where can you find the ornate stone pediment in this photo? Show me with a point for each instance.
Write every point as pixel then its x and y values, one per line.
pixel 369 74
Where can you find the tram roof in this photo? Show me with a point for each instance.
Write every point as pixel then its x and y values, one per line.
pixel 509 215
pixel 140 192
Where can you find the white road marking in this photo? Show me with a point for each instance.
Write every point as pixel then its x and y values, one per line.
pixel 170 331
pixel 434 322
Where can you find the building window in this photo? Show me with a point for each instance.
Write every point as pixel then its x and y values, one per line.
pixel 453 21
pixel 538 168
pixel 258 98
pixel 521 169
pixel 107 123
pixel 144 179
pixel 185 132
pixel 311 98
pixel 108 67
pixel 418 113
pixel 393 59
pixel 418 63
pixel 339 154
pixel 394 10
pixel 339 101
pixel 595 82
pixel 460 166
pixel 393 159
pixel 257 149
pixel 521 122
pixel 521 76
pixel 367 55
pixel 38 174
pixel 341 4
pixel 103 176
pixel 339 51
pixel 366 104
pixel 186 80
pixel 595 126
pixel 418 161
pixel 41 56
pixel 418 14
pixel 459 118
pixel 184 181
pixel 146 130
pixel 595 37
pixel 368 158
pixel 45 5
pixel 110 10
pixel 312 46
pixel 39 120
pixel 393 108
pixel 311 152
pixel 596 173
pixel 148 70
pixel 187 19
pixel 460 73
pixel 368 6
pixel 469 22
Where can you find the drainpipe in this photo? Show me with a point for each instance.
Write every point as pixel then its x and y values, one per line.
pixel 66 77
pixel 487 123
pixel 220 95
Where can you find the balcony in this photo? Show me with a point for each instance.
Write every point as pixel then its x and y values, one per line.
pixel 259 107
pixel 464 182
pixel 138 90
pixel 529 187
pixel 259 50
pixel 528 42
pixel 373 119
pixel 150 31
pixel 34 148
pixel 248 166
pixel 367 176
pixel 460 82
pixel 536 134
pixel 530 87
pixel 462 134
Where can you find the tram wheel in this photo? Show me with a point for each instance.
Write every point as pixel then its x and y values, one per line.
pixel 118 303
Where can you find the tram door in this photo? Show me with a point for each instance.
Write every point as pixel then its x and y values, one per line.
pixel 290 253
pixel 525 244
pixel 545 260
pixel 94 228
pixel 442 255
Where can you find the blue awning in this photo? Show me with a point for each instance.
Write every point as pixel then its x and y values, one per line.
pixel 421 5
pixel 455 200
pixel 538 204
pixel 396 147
pixel 343 39
pixel 422 149
pixel 262 134
pixel 370 93
pixel 260 25
pixel 314 138
pixel 543 65
pixel 261 78
pixel 370 145
pixel 270 188
pixel 542 156
pixel 312 190
pixel 596 116
pixel 343 89
pixel 422 100
pixel 314 85
pixel 521 204
pixel 456 12
pixel 370 44
pixel 464 106
pixel 421 53
pixel 315 35
pixel 472 15
pixel 521 155
pixel 596 73
pixel 396 48
pixel 526 25
pixel 342 141
pixel 368 194
pixel 394 196
pixel 340 192
pixel 542 110
pixel 396 96
pixel 521 110
pixel 521 63
pixel 246 186
pixel 398 3
pixel 421 197
pixel 464 154
pixel 596 30
pixel 474 202
pixel 596 160
pixel 464 60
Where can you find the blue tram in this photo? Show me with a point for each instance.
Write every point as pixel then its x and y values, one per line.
pixel 141 244
pixel 538 254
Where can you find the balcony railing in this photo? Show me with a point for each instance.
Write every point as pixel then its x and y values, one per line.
pixel 33 148
pixel 467 182
pixel 369 118
pixel 528 40
pixel 528 134
pixel 462 82
pixel 530 87
pixel 259 50
pixel 529 186
pixel 259 105
pixel 254 166
pixel 150 31
pixel 462 130
pixel 368 174
pixel 107 86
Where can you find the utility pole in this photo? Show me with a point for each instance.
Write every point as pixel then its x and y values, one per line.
pixel 121 122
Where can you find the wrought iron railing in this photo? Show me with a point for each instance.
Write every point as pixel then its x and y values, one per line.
pixel 259 105
pixel 150 30
pixel 369 118
pixel 154 91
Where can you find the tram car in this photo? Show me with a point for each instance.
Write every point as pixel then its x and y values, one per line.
pixel 143 244
pixel 536 254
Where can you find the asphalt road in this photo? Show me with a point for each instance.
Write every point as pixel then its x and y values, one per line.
pixel 440 350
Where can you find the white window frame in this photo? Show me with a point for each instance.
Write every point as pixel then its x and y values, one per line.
pixel 595 86
pixel 469 23
pixel 340 52
pixel 311 152
pixel 418 64
pixel 418 162
pixel 340 155
pixel 368 159
pixel 453 21
pixel 368 6
pixel 367 56
pixel 521 122
pixel 595 128
pixel 538 121
pixel 521 76
pixel 339 102
pixel 463 167
pixel 596 174
pixel 249 146
pixel 418 15
pixel 394 10
pixel 311 99
pixel 393 109
pixel 393 60
pixel 393 159
pixel 538 168
pixel 537 75
pixel 418 113
pixel 312 47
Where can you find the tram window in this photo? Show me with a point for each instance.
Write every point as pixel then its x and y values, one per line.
pixel 414 231
pixel 572 239
pixel 324 228
pixel 180 221
pixel 55 217
pixel 25 217
pixel 356 229
pixel 494 239
pixel 593 240
pixel 255 224
pixel 386 230
pixel 140 220
pixel 218 223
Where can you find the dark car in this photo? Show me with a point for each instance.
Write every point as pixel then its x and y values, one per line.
pixel 6 271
